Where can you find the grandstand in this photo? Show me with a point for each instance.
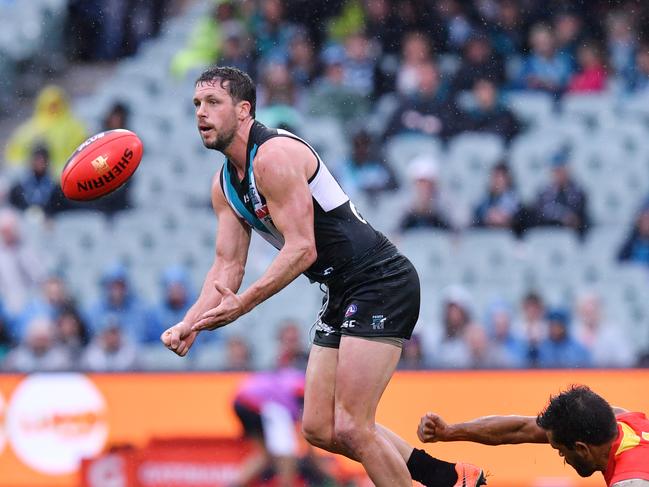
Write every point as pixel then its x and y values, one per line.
pixel 503 146
pixel 169 220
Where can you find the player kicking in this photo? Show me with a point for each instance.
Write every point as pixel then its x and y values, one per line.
pixel 275 183
pixel 587 432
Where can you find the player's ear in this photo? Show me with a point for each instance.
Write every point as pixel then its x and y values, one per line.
pixel 243 109
pixel 582 449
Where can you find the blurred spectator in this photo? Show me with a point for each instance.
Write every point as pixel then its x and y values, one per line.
pixel 359 64
pixel 366 170
pixel 621 38
pixel 544 69
pixel 382 25
pixel 36 189
pixel 501 206
pixel 117 117
pixel 636 247
pixel 237 50
pixel 330 96
pixel 486 112
pixel 427 209
pixel 205 43
pixel 38 351
pixel 110 29
pixel 412 356
pixel 507 349
pixel 291 350
pixel 119 303
pixel 415 51
pixel 277 98
pixel 72 333
pixel 450 350
pixel 591 75
pixel 110 350
pixel 52 125
pixel 455 22
pixel 269 406
pixel 479 62
pixel 534 326
pixel 607 343
pixel 568 29
pixel 427 111
pixel 237 355
pixel 20 268
pixel 560 349
pixel 53 298
pixel 482 354
pixel 507 33
pixel 563 202
pixel 273 33
pixel 302 61
pixel 639 78
pixel 177 298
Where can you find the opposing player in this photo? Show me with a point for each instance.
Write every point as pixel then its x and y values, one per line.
pixel 586 431
pixel 275 183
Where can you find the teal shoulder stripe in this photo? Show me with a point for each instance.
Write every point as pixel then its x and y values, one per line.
pixel 241 208
pixel 253 153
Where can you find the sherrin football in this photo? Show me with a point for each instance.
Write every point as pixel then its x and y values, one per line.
pixel 101 164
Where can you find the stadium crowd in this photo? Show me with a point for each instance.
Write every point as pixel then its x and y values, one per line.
pixel 445 67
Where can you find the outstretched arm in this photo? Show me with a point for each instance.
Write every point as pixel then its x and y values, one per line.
pixel 232 242
pixel 488 430
pixel 282 170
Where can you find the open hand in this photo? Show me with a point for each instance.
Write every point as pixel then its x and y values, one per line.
pixel 179 338
pixel 229 309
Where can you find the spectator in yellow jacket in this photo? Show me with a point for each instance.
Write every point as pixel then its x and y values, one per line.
pixel 52 125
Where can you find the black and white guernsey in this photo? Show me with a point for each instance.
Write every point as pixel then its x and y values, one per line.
pixel 342 236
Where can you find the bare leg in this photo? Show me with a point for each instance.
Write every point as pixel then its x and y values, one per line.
pixel 254 464
pixel 318 422
pixel 364 370
pixel 286 470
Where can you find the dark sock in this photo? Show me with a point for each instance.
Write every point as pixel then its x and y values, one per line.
pixel 430 471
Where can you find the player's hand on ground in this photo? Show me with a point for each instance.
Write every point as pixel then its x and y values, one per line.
pixel 432 428
pixel 228 310
pixel 179 338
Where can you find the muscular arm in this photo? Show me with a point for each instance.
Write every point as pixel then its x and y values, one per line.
pixel 282 169
pixel 232 243
pixel 488 430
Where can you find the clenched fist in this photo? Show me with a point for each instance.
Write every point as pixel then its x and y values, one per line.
pixel 179 338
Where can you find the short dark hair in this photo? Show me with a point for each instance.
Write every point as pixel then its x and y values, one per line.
pixel 578 414
pixel 239 85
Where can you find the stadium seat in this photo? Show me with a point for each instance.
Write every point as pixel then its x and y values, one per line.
pixel 157 357
pixel 532 107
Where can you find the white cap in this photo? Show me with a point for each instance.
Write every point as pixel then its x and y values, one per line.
pixel 423 167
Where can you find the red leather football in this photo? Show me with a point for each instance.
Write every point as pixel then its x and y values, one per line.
pixel 101 164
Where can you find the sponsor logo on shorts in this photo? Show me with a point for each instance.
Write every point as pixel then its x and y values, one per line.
pixel 378 322
pixel 110 175
pixel 322 327
pixel 348 324
pixel 351 310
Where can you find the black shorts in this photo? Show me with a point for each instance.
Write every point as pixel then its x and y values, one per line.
pixel 250 420
pixel 379 300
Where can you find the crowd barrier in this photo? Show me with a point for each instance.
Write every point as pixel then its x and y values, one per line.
pixel 50 422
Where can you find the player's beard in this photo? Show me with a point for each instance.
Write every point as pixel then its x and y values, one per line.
pixel 222 140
